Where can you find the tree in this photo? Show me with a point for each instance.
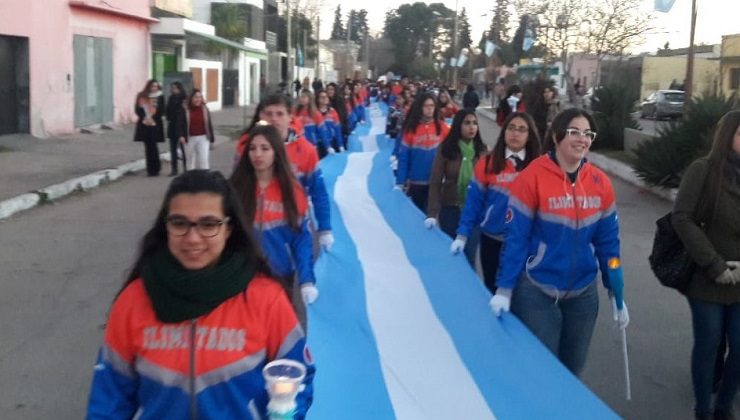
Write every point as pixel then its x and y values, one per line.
pixel 338 32
pixel 357 24
pixel 464 40
pixel 230 21
pixel 499 30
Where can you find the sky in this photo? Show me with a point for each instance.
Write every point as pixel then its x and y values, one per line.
pixel 714 19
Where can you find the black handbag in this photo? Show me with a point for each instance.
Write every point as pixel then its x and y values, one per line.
pixel 669 260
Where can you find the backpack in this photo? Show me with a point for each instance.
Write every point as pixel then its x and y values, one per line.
pixel 669 259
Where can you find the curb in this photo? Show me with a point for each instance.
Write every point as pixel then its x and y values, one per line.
pixel 88 182
pixel 618 169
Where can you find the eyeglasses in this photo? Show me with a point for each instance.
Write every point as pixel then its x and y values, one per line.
pixel 521 129
pixel 206 227
pixel 591 135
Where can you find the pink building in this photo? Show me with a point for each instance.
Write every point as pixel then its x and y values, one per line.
pixel 73 63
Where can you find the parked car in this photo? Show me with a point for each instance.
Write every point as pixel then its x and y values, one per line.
pixel 662 104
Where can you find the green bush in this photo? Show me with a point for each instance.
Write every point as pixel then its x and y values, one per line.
pixel 612 107
pixel 662 161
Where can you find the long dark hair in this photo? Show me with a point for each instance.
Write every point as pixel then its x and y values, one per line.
pixel 721 149
pixel 496 160
pixel 416 112
pixel 311 107
pixel 556 132
pixel 192 95
pixel 449 148
pixel 244 177
pixel 193 182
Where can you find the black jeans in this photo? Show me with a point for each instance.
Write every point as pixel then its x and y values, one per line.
pixel 151 153
pixel 490 252
pixel 419 195
pixel 174 145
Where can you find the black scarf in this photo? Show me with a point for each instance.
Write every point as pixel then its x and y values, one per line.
pixel 178 294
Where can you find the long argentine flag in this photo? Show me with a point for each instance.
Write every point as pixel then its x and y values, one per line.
pixel 402 329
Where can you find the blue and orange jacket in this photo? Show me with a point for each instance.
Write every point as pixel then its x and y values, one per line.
pixel 241 143
pixel 287 250
pixel 487 199
pixel 305 164
pixel 331 128
pixel 311 124
pixel 147 369
pixel 559 231
pixel 417 151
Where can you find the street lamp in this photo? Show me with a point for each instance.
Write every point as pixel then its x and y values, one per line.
pixel 454 51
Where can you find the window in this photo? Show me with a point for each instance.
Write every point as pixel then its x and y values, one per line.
pixel 735 78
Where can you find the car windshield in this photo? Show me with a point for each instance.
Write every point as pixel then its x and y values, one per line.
pixel 673 97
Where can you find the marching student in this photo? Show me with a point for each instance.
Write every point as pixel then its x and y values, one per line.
pixel 306 114
pixel 275 204
pixel 198 318
pixel 331 127
pixel 423 131
pixel 561 229
pixel 488 193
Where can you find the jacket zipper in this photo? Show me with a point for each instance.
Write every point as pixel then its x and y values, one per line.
pixel 573 252
pixel 193 400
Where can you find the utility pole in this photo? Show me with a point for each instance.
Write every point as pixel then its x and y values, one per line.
pixel 290 42
pixel 318 46
pixel 454 51
pixel 350 66
pixel 367 51
pixel 688 85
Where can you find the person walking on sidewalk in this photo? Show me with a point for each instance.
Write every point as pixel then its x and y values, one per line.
pixel 175 114
pixel 707 219
pixel 545 110
pixel 423 131
pixel 275 204
pixel 471 100
pixel 200 294
pixel 149 108
pixel 561 228
pixel 452 171
pixel 511 103
pixel 488 193
pixel 196 132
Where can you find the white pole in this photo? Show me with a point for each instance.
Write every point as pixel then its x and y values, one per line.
pixel 627 382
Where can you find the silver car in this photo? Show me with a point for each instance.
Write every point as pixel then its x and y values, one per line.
pixel 662 104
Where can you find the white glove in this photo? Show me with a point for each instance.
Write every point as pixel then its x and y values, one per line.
pixel 430 222
pixel 729 276
pixel 398 187
pixel 309 293
pixel 341 149
pixel 331 150
pixel 735 268
pixel 393 159
pixel 458 244
pixel 326 240
pixel 621 316
pixel 394 163
pixel 500 303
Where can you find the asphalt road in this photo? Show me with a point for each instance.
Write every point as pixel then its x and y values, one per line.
pixel 61 265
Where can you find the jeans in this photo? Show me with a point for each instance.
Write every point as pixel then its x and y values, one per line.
pixel 490 252
pixel 712 322
pixel 564 325
pixel 197 149
pixel 449 218
pixel 419 195
pixel 151 153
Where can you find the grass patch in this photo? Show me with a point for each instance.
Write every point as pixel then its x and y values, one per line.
pixel 621 155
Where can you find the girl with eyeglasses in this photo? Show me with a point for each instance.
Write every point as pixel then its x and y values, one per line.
pixel 561 230
pixel 488 192
pixel 331 139
pixel 276 206
pixel 198 318
pixel 452 171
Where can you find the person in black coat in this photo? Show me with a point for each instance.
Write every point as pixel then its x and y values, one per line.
pixel 471 99
pixel 175 113
pixel 149 107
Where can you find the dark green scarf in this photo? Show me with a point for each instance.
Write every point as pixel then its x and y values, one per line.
pixel 179 294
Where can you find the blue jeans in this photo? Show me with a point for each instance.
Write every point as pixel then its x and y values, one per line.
pixel 712 322
pixel 564 326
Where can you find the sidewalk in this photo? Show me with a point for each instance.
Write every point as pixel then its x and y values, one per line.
pixel 38 170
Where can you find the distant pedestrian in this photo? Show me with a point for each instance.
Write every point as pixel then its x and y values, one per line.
pixel 471 100
pixel 317 85
pixel 545 110
pixel 707 219
pixel 297 87
pixel 149 108
pixel 175 114
pixel 447 106
pixel 196 132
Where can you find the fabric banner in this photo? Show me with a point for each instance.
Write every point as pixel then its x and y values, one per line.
pixel 402 329
pixel 664 5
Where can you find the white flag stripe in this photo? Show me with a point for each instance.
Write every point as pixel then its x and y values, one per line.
pixel 424 374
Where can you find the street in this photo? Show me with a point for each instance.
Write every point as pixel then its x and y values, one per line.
pixel 65 262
